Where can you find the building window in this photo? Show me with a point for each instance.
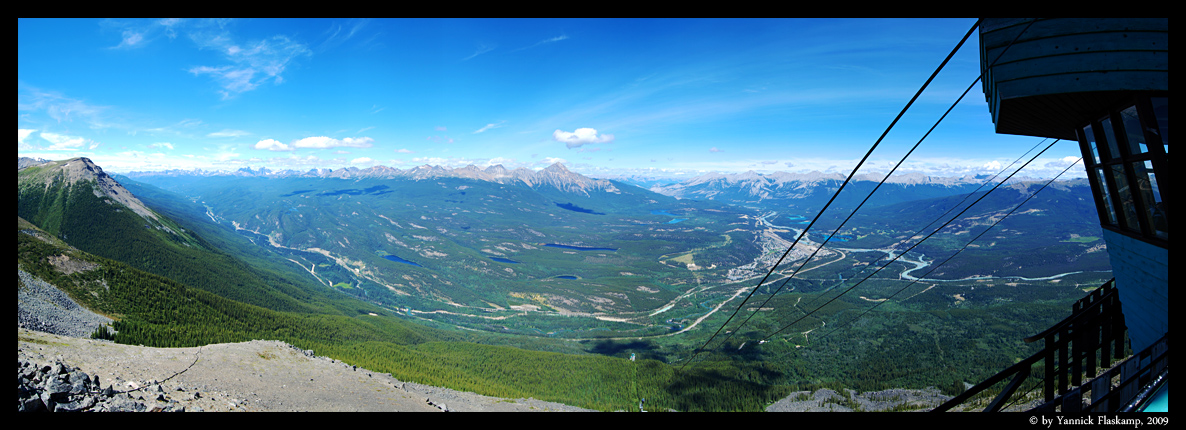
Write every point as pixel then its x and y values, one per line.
pixel 1126 155
pixel 1161 128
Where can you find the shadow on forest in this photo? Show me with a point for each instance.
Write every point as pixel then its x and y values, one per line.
pixel 643 350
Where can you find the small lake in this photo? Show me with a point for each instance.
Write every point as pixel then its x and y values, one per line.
pixel 504 260
pixel 796 219
pixel 400 260
pixel 664 212
pixel 567 277
pixel 580 248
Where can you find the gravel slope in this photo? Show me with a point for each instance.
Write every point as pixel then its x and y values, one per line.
pixel 256 376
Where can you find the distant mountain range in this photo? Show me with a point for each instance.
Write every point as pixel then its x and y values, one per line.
pixel 809 192
pixel 554 176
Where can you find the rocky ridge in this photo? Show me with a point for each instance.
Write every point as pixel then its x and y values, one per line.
pixel 83 169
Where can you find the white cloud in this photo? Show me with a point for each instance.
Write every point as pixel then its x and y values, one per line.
pixel 405 151
pixel 553 160
pixel 272 145
pixel 229 133
pixel 581 136
pixel 500 160
pixel 361 160
pixel 22 134
pixel 328 142
pixel 714 149
pixel 161 145
pixel 362 142
pixel 992 166
pixel 62 142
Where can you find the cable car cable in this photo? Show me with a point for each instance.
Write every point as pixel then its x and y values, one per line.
pixel 1002 53
pixel 1035 193
pixel 837 193
pixel 913 246
pixel 854 211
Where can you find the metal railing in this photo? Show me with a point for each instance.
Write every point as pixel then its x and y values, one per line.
pixel 1087 340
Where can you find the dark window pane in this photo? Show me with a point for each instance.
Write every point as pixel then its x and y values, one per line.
pixel 1107 197
pixel 1161 109
pixel 1151 194
pixel 1125 194
pixel 1095 151
pixel 1110 137
pixel 1134 131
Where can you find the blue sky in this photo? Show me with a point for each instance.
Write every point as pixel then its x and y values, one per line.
pixel 605 97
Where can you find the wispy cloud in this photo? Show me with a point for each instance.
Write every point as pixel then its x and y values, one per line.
pixel 482 49
pixel 337 34
pixel 489 126
pixel 714 149
pixel 581 136
pixel 131 39
pixel 543 42
pixel 60 107
pixel 252 63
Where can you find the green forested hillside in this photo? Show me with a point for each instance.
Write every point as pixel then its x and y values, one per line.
pixel 187 281
pixel 155 311
pixel 76 213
